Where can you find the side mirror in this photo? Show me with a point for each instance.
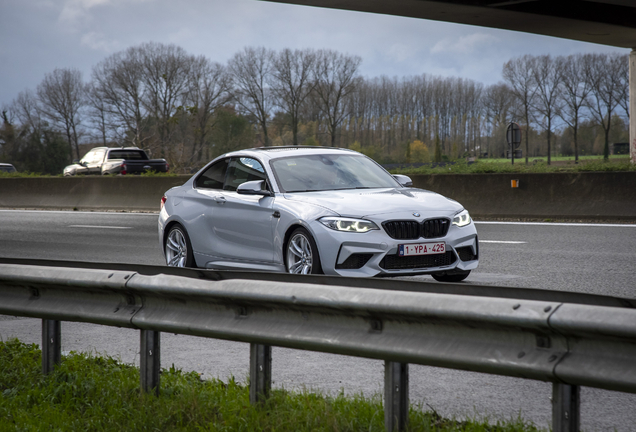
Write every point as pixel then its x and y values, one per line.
pixel 253 188
pixel 404 180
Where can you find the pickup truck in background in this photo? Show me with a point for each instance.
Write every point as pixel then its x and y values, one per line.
pixel 117 160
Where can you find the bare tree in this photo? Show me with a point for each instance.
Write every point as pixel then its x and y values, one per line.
pixel 623 84
pixel 165 74
pixel 519 73
pixel 497 104
pixel 119 81
pixel 291 83
pixel 547 77
pixel 98 113
pixel 209 90
pixel 336 78
pixel 573 93
pixel 251 70
pixel 26 109
pixel 61 96
pixel 604 75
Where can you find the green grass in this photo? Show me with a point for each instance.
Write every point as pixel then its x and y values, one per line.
pixel 499 166
pixel 34 175
pixel 25 174
pixel 91 393
pixel 586 158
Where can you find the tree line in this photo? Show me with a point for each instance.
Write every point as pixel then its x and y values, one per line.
pixel 190 109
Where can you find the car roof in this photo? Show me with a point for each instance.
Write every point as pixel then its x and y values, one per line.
pixel 5 164
pixel 275 152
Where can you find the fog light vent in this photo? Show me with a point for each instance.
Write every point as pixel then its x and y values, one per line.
pixel 355 261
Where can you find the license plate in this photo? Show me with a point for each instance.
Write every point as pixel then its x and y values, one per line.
pixel 422 249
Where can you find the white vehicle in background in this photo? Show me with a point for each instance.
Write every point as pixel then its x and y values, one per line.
pixel 115 161
pixel 7 168
pixel 314 210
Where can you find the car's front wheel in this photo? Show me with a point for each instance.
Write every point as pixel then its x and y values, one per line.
pixel 456 276
pixel 302 253
pixel 178 249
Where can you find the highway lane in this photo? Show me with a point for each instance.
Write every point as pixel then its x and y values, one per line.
pixel 80 236
pixel 585 258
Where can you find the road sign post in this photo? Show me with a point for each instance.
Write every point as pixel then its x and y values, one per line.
pixel 513 136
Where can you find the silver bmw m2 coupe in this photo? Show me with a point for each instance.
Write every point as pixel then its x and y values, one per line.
pixel 314 210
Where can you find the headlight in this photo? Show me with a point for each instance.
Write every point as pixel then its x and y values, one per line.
pixel 347 224
pixel 461 219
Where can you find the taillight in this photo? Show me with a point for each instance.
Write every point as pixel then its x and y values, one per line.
pixel 123 169
pixel 167 167
pixel 163 201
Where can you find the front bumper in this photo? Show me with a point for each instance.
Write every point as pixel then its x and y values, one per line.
pixel 375 253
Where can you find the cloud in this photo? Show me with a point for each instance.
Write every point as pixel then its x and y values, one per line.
pixel 97 41
pixel 183 35
pixel 463 44
pixel 75 11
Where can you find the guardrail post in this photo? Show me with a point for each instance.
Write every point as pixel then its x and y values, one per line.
pixel 566 414
pixel 260 372
pixel 51 344
pixel 396 396
pixel 150 361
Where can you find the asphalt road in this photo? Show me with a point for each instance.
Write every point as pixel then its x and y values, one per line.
pixel 570 257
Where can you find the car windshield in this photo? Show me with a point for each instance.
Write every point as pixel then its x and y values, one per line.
pixel 324 172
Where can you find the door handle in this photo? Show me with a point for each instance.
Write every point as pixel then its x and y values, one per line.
pixel 220 199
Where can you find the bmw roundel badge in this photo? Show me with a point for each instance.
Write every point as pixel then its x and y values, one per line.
pixel 416 214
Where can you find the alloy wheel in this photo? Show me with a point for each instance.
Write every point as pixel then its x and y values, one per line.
pixel 299 255
pixel 176 248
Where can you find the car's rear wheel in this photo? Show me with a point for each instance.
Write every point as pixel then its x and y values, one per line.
pixel 456 276
pixel 302 254
pixel 178 249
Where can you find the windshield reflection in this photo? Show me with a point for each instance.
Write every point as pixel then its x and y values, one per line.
pixel 312 173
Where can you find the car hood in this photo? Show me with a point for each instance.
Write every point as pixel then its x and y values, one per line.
pixel 370 202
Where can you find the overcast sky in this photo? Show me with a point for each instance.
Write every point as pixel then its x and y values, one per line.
pixel 37 36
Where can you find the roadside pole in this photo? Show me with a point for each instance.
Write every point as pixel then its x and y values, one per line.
pixel 513 136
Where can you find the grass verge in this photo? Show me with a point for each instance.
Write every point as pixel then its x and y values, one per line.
pixel 91 393
pixel 26 174
pixel 493 167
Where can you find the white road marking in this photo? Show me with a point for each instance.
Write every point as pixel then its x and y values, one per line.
pixel 117 213
pixel 98 226
pixel 502 241
pixel 557 224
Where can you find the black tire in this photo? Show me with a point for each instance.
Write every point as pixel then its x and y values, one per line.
pixel 301 253
pixel 456 276
pixel 177 248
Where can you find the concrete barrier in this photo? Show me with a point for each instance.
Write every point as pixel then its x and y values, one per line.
pixel 606 196
pixel 593 195
pixel 86 193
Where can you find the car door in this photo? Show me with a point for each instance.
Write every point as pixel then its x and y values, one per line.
pixel 94 164
pixel 82 166
pixel 244 223
pixel 226 226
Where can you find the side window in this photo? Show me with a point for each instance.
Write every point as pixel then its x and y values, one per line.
pixel 213 177
pixel 242 170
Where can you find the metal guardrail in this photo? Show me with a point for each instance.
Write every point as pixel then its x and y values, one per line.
pixel 588 341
